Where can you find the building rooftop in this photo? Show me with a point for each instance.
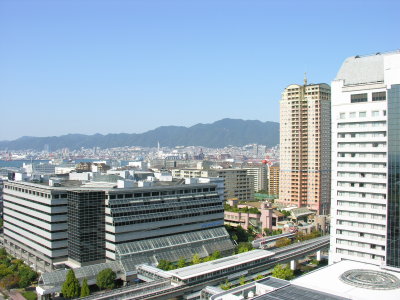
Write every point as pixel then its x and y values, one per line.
pixel 300 212
pixel 293 292
pixel 74 185
pixel 363 69
pixel 353 280
pixel 271 288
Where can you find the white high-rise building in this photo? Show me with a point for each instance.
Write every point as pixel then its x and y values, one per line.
pixel 260 177
pixel 366 160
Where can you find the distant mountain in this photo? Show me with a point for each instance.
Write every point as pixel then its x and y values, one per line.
pixel 221 133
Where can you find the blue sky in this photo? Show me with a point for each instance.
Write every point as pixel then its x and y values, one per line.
pixel 131 66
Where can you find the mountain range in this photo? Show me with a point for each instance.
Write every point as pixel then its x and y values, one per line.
pixel 225 132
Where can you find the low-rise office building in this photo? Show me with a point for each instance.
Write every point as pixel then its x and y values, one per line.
pixel 82 224
pixel 238 184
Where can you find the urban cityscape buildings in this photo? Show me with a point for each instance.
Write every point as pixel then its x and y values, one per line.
pixel 120 217
pixel 304 178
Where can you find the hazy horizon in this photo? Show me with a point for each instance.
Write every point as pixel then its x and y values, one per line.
pixel 73 133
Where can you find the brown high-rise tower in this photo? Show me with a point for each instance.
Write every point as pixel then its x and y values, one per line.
pixel 305 146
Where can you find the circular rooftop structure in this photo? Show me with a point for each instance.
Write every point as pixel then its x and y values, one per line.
pixel 369 279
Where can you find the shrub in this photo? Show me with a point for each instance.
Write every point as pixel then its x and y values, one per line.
pixel 106 279
pixel 282 272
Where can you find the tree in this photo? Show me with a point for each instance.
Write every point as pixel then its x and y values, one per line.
pixel 244 247
pixel 3 252
pixel 4 271
pixel 164 264
pixel 70 288
pixel 226 286
pixel 283 242
pixel 16 264
pixel 216 255
pixel 85 289
pixel 26 275
pixel 238 233
pixel 196 259
pixel 9 281
pixel 251 231
pixel 258 277
pixel 301 236
pixel 105 279
pixel 181 262
pixel 207 258
pixel 242 280
pixel 282 272
pixel 270 232
pixel 235 237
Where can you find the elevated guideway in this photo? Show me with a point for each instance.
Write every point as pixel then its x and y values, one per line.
pixel 260 243
pixel 229 268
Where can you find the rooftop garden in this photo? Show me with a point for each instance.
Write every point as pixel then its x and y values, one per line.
pixel 251 210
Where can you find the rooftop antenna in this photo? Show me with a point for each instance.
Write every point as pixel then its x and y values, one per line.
pixel 305 78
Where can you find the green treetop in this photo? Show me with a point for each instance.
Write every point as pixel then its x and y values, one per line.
pixel 85 289
pixel 282 272
pixel 70 288
pixel 105 279
pixel 181 262
pixel 196 259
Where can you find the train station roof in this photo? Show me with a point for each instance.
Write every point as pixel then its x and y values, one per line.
pixel 222 263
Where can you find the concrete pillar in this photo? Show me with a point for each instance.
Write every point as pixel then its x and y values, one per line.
pixel 319 256
pixel 293 264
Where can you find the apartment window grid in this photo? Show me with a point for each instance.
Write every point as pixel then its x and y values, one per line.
pixel 354 198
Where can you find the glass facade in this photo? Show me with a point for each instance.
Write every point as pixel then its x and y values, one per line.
pixel 393 210
pixel 86 219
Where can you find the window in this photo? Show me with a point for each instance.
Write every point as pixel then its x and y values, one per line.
pixel 352 115
pixel 362 114
pixel 342 115
pixel 359 98
pixel 379 96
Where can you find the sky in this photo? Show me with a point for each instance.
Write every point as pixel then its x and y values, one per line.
pixel 82 66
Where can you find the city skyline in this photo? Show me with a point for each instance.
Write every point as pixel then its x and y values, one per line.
pixel 133 66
